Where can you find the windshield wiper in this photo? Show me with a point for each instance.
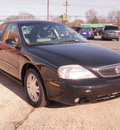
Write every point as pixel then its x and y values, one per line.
pixel 76 41
pixel 40 43
pixel 72 41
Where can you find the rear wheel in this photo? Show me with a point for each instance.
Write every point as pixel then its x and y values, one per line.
pixel 34 89
pixel 102 38
pixel 93 37
pixel 117 39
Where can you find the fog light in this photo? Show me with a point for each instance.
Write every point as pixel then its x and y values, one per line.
pixel 77 100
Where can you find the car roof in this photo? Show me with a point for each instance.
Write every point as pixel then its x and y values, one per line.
pixel 29 21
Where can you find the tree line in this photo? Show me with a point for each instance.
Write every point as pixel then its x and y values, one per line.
pixel 91 16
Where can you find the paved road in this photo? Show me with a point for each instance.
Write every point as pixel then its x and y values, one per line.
pixel 108 43
pixel 17 114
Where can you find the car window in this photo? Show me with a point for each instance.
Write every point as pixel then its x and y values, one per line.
pixel 77 29
pixel 2 27
pixel 11 32
pixel 85 29
pixel 49 32
pixel 111 28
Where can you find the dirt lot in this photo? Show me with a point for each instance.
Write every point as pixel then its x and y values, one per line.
pixel 17 114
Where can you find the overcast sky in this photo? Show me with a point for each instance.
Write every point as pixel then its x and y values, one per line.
pixel 39 7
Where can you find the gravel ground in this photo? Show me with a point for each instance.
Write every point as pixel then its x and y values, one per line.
pixel 17 114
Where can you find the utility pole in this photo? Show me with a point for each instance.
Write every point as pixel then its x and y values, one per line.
pixel 66 7
pixel 47 9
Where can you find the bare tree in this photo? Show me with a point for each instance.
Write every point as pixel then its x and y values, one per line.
pixel 25 15
pixel 22 15
pixel 91 16
pixel 114 16
pixel 76 23
pixel 102 20
pixel 56 19
pixel 111 16
pixel 118 17
pixel 12 17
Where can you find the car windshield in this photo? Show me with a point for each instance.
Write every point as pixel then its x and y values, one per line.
pixel 50 33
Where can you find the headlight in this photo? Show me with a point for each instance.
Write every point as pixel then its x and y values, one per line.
pixel 74 72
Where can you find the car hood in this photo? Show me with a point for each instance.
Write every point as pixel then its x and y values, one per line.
pixel 89 55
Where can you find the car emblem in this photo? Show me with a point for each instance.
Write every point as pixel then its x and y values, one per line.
pixel 117 69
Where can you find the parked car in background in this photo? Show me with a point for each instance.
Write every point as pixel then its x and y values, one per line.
pixel 87 32
pixel 110 32
pixel 94 31
pixel 99 30
pixel 77 29
pixel 53 62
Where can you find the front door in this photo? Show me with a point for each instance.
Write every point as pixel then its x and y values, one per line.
pixel 9 53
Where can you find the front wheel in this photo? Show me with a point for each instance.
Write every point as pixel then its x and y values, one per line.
pixel 34 88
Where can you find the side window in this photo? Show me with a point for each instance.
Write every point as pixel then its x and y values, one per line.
pixel 2 27
pixel 11 32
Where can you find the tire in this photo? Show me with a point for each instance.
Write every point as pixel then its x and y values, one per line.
pixel 92 37
pixel 34 89
pixel 117 39
pixel 102 38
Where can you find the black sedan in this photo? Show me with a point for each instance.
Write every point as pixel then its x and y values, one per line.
pixel 53 62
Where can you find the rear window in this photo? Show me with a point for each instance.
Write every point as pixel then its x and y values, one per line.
pixel 111 28
pixel 85 29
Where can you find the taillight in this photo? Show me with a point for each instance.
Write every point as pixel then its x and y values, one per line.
pixel 119 32
pixel 79 32
pixel 90 32
pixel 95 30
pixel 103 32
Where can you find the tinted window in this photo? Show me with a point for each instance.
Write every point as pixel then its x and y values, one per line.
pixel 11 32
pixel 53 33
pixel 85 29
pixel 111 28
pixel 76 28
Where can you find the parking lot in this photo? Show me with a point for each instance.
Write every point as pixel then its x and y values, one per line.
pixel 17 114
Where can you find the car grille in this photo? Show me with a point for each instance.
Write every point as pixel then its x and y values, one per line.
pixel 107 97
pixel 109 70
pixel 101 98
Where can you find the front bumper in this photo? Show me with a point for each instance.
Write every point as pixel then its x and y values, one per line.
pixel 75 92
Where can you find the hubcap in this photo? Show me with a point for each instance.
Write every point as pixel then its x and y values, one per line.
pixel 33 88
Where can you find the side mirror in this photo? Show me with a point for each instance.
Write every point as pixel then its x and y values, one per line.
pixel 10 41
